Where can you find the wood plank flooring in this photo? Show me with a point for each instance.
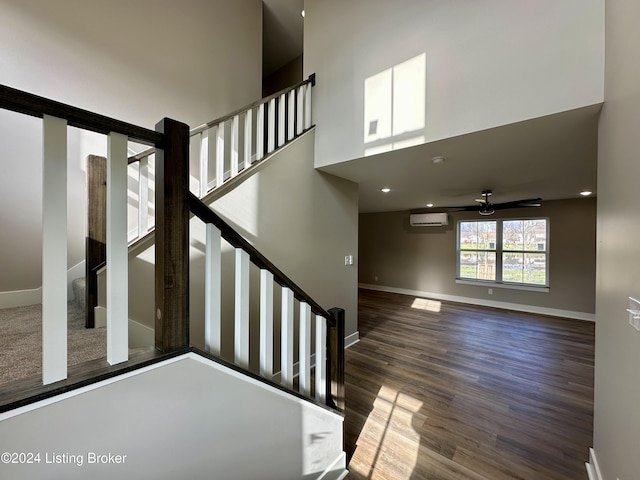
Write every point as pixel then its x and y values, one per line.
pixel 445 391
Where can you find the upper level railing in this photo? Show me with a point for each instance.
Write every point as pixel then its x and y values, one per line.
pixel 173 204
pixel 226 147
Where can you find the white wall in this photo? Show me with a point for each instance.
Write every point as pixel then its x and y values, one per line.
pixel 617 382
pixel 136 61
pixel 488 63
pixel 186 419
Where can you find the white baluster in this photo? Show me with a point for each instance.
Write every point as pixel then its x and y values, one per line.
pixel 54 250
pixel 143 197
pixel 242 309
pixel 307 106
pixel 282 118
pixel 271 128
pixel 300 110
pixel 204 163
pixel 260 133
pixel 286 343
pixel 117 251
pixel 235 127
pixel 321 359
pixel 305 349
pixel 248 137
pixel 220 154
pixel 291 115
pixel 213 285
pixel 266 324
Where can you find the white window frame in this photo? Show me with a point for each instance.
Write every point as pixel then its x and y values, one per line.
pixel 499 252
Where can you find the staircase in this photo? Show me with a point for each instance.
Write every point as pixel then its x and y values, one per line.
pixel 228 147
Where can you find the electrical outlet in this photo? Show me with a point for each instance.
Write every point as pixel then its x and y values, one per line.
pixel 376 278
pixel 491 291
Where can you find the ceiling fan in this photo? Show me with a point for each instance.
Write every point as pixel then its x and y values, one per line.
pixel 485 207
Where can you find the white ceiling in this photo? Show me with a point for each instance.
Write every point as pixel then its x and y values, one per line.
pixel 552 157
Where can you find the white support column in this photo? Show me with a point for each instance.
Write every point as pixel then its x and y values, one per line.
pixel 260 133
pixel 307 106
pixel 271 129
pixel 321 359
pixel 117 251
pixel 300 110
pixel 282 119
pixel 204 162
pixel 143 197
pixel 213 285
pixel 220 154
pixel 248 137
pixel 242 309
pixel 235 135
pixel 291 115
pixel 266 324
pixel 286 343
pixel 305 349
pixel 54 250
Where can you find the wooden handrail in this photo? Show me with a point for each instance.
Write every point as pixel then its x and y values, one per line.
pixel 204 213
pixel 195 131
pixel 36 106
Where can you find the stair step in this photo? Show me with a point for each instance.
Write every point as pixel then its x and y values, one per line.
pixel 79 286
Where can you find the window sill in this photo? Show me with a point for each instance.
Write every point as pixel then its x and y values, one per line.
pixel 484 283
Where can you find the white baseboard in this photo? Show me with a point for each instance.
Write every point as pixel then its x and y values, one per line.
pixel 33 296
pixel 593 469
pixel 351 340
pixel 555 312
pixel 21 298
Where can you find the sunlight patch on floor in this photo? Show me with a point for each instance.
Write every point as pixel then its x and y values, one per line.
pixel 426 304
pixel 389 422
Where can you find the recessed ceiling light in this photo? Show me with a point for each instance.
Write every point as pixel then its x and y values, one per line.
pixel 438 159
pixel 585 193
pixel 429 205
pixel 385 190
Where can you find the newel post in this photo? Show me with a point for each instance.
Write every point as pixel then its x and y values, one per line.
pixel 335 361
pixel 172 237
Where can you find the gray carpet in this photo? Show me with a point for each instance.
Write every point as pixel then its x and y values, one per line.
pixel 21 341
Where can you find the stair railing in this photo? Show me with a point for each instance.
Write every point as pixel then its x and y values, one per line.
pixel 328 325
pixel 229 146
pixel 56 119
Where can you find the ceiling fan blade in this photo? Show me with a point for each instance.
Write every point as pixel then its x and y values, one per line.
pixel 528 202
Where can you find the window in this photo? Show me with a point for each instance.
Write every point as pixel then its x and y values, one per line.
pixel 504 251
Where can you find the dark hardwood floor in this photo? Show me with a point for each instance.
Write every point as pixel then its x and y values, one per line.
pixel 446 391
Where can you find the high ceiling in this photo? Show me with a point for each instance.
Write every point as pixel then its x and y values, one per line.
pixel 553 157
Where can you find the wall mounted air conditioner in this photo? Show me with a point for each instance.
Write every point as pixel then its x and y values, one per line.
pixel 428 219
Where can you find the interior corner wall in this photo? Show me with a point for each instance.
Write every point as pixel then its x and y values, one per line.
pixel 488 63
pixel 394 254
pixel 617 383
pixel 304 221
pixel 135 61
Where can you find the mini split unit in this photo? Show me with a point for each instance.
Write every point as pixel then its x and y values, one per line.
pixel 428 219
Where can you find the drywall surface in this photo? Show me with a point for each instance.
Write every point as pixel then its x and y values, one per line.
pixel 395 74
pixel 617 387
pixel 135 61
pixel 424 258
pixel 189 418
